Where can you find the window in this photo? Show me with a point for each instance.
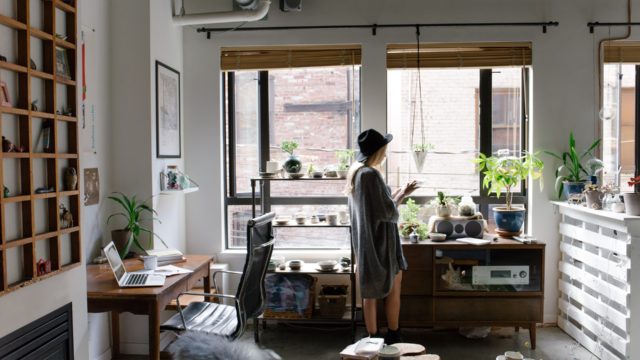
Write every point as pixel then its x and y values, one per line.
pixel 454 114
pixel 319 107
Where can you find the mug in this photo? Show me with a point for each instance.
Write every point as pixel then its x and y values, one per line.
pixel 332 219
pixel 300 219
pixel 150 262
pixel 342 216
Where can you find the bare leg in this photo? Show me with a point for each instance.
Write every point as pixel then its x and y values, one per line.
pixel 370 320
pixel 392 303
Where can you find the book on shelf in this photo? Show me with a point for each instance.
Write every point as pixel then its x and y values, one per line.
pixel 43 142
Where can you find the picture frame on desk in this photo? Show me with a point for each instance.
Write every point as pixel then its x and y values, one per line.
pixel 5 98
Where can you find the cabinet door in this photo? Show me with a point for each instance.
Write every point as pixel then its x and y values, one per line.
pixel 418 279
pixel 488 309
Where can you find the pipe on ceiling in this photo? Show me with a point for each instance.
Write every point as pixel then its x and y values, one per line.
pixel 258 13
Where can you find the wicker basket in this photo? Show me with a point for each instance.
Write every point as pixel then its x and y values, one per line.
pixel 332 306
pixel 305 314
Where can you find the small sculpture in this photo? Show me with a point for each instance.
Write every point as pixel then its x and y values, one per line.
pixel 43 267
pixel 32 64
pixel 70 179
pixel 43 190
pixel 3 58
pixel 66 218
pixel 6 192
pixel 7 145
pixel 34 105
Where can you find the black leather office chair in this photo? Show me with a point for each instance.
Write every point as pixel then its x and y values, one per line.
pixel 226 320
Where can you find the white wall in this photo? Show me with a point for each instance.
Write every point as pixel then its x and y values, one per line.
pixel 564 83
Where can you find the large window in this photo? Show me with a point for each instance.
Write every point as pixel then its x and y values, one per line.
pixel 465 110
pixel 319 107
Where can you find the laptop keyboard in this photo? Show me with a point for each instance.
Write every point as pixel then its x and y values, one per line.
pixel 137 279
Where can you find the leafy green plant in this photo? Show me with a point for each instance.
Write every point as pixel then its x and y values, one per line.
pixel 422 147
pixel 571 169
pixel 409 220
pixel 344 158
pixel 133 211
pixel 289 146
pixel 502 173
pixel 443 200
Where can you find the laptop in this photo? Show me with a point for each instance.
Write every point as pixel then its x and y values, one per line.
pixel 124 278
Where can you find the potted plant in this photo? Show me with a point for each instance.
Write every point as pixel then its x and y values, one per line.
pixel 420 154
pixel 593 167
pixel 502 173
pixel 444 204
pixel 570 175
pixel 292 165
pixel 632 200
pixel 133 211
pixel 344 162
pixel 409 221
pixel 594 196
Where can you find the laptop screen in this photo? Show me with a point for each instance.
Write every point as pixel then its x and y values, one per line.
pixel 115 262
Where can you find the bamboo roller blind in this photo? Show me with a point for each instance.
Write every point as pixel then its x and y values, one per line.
pixel 459 55
pixel 278 57
pixel 622 52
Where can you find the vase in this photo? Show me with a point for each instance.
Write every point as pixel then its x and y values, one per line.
pixel 292 165
pixel 508 222
pixel 594 199
pixel 443 211
pixel 121 239
pixel 70 179
pixel 631 203
pixel 572 188
pixel 419 158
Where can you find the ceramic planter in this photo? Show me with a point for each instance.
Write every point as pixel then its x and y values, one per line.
pixel 571 188
pixel 419 157
pixel 120 238
pixel 292 165
pixel 443 211
pixel 632 203
pixel 508 222
pixel 594 199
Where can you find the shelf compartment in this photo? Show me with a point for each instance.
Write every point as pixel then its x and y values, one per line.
pixel 34 280
pixel 12 23
pixel 19 266
pixel 12 67
pixel 40 34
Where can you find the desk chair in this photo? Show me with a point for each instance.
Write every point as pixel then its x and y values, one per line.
pixel 226 320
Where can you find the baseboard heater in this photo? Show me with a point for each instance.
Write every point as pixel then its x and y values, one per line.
pixel 48 338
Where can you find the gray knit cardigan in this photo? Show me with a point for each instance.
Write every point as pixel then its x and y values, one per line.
pixel 374 233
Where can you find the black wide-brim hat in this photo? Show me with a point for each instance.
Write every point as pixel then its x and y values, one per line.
pixel 369 142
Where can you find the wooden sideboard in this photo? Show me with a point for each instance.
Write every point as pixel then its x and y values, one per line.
pixel 428 300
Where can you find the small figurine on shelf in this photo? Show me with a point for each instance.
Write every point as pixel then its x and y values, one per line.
pixel 3 58
pixel 32 64
pixel 43 190
pixel 66 218
pixel 70 179
pixel 6 192
pixel 43 267
pixel 7 145
pixel 34 105
pixel 172 177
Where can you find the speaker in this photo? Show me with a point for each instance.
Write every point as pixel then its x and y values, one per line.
pixel 459 228
pixel 291 5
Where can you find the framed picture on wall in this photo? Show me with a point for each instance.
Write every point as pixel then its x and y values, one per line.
pixel 62 63
pixel 167 112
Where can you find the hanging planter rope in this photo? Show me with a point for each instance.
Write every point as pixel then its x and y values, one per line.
pixel 420 149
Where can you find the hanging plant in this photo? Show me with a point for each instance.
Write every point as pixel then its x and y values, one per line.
pixel 420 149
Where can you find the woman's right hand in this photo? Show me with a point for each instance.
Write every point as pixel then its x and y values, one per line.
pixel 409 188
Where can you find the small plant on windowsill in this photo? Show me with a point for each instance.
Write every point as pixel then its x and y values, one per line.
pixel 409 220
pixel 444 204
pixel 344 161
pixel 292 165
pixel 594 196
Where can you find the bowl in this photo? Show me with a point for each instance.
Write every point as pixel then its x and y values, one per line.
pixel 317 174
pixel 295 264
pixel 296 175
pixel 301 219
pixel 282 220
pixel 437 236
pixel 330 173
pixel 327 264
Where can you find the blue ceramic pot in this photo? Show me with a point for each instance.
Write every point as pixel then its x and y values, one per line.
pixel 570 188
pixel 292 165
pixel 510 221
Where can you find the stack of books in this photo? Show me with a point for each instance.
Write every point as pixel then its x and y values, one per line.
pixel 167 256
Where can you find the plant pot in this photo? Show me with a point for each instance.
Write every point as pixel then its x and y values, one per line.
pixel 342 174
pixel 443 211
pixel 508 222
pixel 419 157
pixel 292 165
pixel 631 203
pixel 120 239
pixel 594 199
pixel 572 188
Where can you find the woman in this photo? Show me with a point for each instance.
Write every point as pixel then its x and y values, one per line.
pixel 375 236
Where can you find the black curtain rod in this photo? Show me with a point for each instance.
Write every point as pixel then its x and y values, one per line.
pixel 374 27
pixel 591 25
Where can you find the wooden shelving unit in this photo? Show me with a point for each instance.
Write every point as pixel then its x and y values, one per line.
pixel 31 224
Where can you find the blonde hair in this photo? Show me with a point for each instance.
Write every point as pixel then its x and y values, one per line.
pixel 373 161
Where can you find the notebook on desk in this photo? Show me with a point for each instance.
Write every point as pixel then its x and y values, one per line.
pixel 124 278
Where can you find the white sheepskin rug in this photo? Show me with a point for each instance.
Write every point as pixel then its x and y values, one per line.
pixel 202 346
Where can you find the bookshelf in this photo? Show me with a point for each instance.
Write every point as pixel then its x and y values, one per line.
pixel 38 67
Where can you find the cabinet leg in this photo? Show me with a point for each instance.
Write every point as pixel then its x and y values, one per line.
pixel 532 335
pixel 256 330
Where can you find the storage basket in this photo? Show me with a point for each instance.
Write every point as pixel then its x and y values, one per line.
pixel 332 301
pixel 290 296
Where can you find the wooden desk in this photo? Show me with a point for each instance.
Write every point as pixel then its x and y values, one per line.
pixel 104 294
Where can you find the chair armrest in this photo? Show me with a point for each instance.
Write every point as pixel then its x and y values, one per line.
pixel 213 276
pixel 184 322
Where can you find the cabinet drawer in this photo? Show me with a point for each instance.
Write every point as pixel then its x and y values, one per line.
pixel 417 282
pixel 418 256
pixel 415 309
pixel 488 309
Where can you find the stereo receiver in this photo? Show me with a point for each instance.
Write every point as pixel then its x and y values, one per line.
pixel 500 275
